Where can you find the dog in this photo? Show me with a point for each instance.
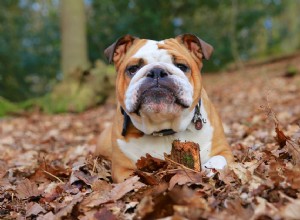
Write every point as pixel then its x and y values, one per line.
pixel 160 98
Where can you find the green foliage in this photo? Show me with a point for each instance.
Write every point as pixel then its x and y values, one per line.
pixel 238 30
pixel 29 48
pixel 291 71
pixel 6 107
pixel 77 92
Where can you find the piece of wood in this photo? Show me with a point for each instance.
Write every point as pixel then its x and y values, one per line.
pixel 186 153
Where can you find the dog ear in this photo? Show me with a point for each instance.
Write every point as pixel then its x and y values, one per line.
pixel 196 45
pixel 115 51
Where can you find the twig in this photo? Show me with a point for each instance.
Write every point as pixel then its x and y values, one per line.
pixel 169 171
pixel 178 164
pixel 53 176
pixel 292 142
pixel 94 165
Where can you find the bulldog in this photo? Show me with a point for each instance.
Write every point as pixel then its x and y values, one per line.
pixel 160 98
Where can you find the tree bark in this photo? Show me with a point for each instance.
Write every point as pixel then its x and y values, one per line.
pixel 186 153
pixel 74 40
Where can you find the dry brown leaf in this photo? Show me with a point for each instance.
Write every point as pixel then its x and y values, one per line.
pixel 86 178
pixel 67 209
pixel 235 208
pixel 26 189
pixel 52 171
pixel 145 206
pixel 243 172
pixel 101 185
pixel 150 164
pixel 34 209
pixel 104 214
pixel 291 210
pixel 281 138
pixel 54 191
pixel 183 177
pixel 263 208
pixel 293 177
pixel 147 178
pixel 3 169
pixel 48 216
pixel 121 189
pixel 267 191
pixel 95 199
pixel 227 176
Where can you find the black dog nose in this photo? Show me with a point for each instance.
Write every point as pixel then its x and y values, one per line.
pixel 156 73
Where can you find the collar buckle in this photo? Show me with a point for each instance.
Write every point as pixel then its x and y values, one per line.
pixel 162 133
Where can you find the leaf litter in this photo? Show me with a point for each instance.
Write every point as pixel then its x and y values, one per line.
pixel 47 170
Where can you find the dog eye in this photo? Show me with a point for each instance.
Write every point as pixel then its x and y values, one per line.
pixel 182 67
pixel 131 70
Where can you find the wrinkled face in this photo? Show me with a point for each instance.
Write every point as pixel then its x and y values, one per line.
pixel 159 83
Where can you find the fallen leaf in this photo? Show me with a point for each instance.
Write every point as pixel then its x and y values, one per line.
pixel 183 177
pixel 291 210
pixel 34 209
pixel 101 185
pixel 48 216
pixel 146 178
pixel 104 214
pixel 236 209
pixel 67 209
pixel 86 178
pixel 96 199
pixel 3 169
pixel 281 138
pixel 121 189
pixel 26 189
pixel 150 164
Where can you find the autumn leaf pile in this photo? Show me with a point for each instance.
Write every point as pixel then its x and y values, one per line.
pixel 47 170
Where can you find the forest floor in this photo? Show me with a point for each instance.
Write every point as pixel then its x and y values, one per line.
pixel 47 171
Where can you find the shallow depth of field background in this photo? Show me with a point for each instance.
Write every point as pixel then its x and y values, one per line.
pixel 46 59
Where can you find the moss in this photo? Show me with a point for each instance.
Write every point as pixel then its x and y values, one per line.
pixel 79 91
pixel 291 71
pixel 7 107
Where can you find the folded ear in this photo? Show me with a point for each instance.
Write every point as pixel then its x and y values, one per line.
pixel 118 49
pixel 197 46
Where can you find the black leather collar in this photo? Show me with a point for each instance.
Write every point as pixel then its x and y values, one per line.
pixel 198 120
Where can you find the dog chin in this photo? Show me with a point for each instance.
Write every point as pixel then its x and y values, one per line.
pixel 159 101
pixel 161 108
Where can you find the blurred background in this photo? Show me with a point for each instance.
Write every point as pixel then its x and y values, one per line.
pixel 51 51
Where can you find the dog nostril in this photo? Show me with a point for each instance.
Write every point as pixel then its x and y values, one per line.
pixel 157 73
pixel 150 74
pixel 163 74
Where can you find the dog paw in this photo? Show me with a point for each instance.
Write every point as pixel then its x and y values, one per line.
pixel 216 162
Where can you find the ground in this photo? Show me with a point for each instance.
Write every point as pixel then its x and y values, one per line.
pixel 47 170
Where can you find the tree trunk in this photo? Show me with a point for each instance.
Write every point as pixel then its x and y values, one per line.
pixel 233 40
pixel 74 41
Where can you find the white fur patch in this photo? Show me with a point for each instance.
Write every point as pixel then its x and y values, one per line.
pixel 216 162
pixel 151 53
pixel 157 146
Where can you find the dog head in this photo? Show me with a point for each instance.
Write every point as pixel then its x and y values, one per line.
pixel 159 82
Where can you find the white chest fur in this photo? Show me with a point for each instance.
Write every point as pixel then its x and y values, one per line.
pixel 157 146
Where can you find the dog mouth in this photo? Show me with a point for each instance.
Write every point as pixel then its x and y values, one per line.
pixel 159 99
